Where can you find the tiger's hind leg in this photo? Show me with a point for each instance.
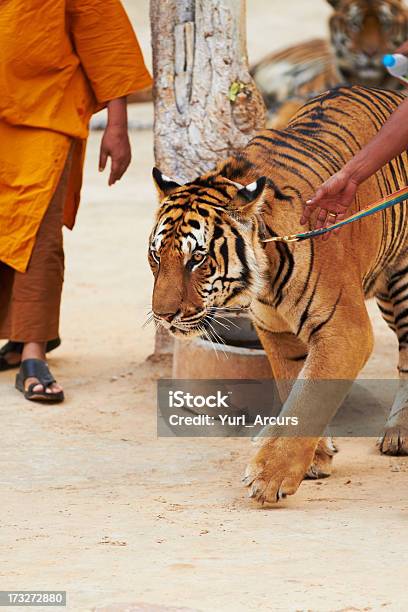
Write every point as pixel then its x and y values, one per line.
pixel 394 309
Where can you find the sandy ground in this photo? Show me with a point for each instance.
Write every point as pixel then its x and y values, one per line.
pixel 93 503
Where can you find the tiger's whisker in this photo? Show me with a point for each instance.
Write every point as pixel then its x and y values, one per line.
pixel 208 337
pixel 216 320
pixel 219 318
pixel 217 338
pixel 148 320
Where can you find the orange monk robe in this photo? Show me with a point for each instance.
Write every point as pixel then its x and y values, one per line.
pixel 61 60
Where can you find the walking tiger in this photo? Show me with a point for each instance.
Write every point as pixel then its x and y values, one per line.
pixel 307 299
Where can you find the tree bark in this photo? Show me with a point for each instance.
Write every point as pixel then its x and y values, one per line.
pixel 206 103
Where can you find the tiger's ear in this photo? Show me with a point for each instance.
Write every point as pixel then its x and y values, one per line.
pixel 164 185
pixel 334 3
pixel 248 200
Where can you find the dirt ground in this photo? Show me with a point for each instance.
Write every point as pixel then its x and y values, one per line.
pixel 94 504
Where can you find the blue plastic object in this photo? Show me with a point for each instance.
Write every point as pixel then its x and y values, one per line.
pixel 389 61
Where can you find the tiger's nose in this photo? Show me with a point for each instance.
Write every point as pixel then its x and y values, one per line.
pixel 370 53
pixel 167 316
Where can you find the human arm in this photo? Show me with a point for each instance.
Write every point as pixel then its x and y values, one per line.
pixel 115 141
pixel 113 63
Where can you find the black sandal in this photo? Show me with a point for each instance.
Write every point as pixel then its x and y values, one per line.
pixel 36 368
pixel 17 347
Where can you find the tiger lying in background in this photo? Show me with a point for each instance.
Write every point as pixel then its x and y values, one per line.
pixel 307 298
pixel 361 32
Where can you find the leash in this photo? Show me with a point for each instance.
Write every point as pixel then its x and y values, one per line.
pixel 391 200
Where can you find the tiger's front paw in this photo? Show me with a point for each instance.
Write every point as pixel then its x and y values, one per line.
pixel 279 467
pixel 322 463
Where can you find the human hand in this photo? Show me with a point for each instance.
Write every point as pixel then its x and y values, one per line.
pixel 115 144
pixel 331 200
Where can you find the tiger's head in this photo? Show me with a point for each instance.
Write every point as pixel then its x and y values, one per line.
pixel 361 32
pixel 202 249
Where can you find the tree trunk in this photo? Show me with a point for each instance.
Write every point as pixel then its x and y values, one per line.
pixel 206 103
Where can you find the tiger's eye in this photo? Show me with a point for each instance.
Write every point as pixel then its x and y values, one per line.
pixel 196 260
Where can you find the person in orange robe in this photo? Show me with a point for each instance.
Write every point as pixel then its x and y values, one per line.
pixel 61 61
